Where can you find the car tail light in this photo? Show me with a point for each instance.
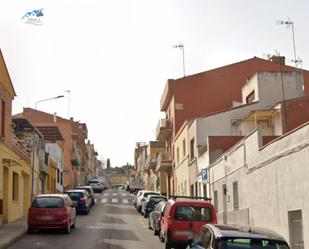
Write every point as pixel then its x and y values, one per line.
pixel 169 220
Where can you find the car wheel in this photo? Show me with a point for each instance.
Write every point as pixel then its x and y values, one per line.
pixel 149 225
pixel 30 230
pixel 67 230
pixel 73 225
pixel 167 244
pixel 161 238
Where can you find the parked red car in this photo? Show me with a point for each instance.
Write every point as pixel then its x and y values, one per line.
pixel 182 218
pixel 52 211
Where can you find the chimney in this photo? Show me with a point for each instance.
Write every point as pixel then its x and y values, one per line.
pixel 71 118
pixel 55 117
pixel 278 59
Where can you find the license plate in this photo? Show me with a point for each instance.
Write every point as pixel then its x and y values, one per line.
pixel 183 233
pixel 47 217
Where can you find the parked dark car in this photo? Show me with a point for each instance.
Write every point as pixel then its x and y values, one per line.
pixel 150 203
pixel 52 211
pixel 81 197
pixel 155 217
pixel 236 237
pixel 90 192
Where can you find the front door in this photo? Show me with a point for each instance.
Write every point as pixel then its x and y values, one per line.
pixel 296 229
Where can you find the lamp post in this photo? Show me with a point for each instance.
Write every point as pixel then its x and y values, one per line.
pixel 289 23
pixel 39 101
pixel 182 47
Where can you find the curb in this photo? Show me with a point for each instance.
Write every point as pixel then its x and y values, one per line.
pixel 11 241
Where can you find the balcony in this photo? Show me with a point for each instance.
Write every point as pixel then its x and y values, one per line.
pixel 164 161
pixel 164 129
pixel 150 164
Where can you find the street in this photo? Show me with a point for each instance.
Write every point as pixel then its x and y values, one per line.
pixel 112 223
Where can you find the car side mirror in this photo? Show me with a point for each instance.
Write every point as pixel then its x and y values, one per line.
pixel 190 242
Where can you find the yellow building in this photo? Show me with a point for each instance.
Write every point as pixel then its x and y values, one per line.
pixel 15 169
pixel 52 176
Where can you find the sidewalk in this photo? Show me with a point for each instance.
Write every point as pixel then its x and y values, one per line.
pixel 11 232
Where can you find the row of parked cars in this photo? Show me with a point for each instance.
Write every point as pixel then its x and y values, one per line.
pixel 189 222
pixel 58 211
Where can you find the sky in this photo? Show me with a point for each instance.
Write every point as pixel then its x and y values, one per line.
pixel 115 56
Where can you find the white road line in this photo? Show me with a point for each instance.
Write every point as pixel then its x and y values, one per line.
pixel 126 201
pixel 115 194
pixel 106 194
pixel 114 200
pixel 95 200
pixel 123 194
pixel 103 200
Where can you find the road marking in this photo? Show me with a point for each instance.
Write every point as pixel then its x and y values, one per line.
pixel 115 194
pixel 124 194
pixel 126 201
pixel 106 194
pixel 114 200
pixel 103 200
pixel 95 200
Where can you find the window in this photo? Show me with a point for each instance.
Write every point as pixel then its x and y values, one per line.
pixel 235 196
pixel 251 97
pixel 192 149
pixel 2 133
pixel 193 213
pixel 15 186
pixel 205 238
pixel 216 199
pixel 184 148
pixel 61 178
pixel 50 202
pixel 177 154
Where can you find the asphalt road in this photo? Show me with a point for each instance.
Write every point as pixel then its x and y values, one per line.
pixel 113 223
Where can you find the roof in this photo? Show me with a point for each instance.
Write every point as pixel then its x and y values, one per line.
pixel 51 133
pixel 50 195
pixel 75 190
pixel 243 231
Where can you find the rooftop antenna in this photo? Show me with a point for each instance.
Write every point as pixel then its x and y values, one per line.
pixel 182 48
pixel 288 23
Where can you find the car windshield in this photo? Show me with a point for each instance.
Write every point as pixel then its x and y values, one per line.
pixel 250 243
pixel 193 213
pixel 48 202
pixel 146 194
pixel 93 182
pixel 157 199
pixel 74 195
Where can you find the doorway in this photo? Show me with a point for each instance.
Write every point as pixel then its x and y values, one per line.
pixel 5 195
pixel 224 193
pixel 296 229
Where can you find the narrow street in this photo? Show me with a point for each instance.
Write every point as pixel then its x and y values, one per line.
pixel 112 223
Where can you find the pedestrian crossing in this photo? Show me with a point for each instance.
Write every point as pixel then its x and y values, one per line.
pixel 113 198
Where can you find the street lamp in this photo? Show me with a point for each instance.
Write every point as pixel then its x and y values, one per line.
pixel 289 23
pixel 39 101
pixel 182 47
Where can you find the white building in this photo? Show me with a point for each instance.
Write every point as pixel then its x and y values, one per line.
pixel 266 185
pixel 55 154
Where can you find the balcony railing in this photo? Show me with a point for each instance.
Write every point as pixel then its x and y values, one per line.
pixel 164 129
pixel 164 161
pixel 150 163
pixel 22 148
